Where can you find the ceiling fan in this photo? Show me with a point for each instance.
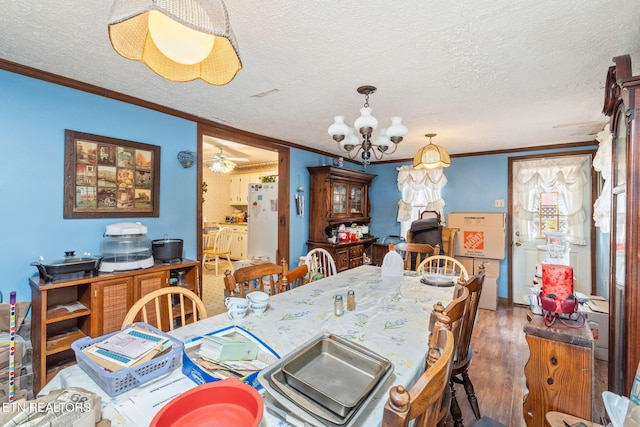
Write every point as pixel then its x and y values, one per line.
pixel 222 163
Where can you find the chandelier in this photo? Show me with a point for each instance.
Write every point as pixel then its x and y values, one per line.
pixel 431 156
pixel 366 124
pixel 179 40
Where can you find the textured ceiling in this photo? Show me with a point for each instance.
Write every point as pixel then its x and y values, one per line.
pixel 482 74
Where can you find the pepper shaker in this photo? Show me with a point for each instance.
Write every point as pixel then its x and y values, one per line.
pixel 338 308
pixel 351 301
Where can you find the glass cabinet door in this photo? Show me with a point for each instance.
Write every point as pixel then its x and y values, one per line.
pixel 617 289
pixel 619 197
pixel 356 199
pixel 339 198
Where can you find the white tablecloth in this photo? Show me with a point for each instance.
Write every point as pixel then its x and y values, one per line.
pixel 391 318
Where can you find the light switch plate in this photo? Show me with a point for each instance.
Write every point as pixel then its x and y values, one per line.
pixel 498 203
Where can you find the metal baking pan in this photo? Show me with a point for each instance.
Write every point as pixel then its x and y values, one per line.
pixel 334 372
pixel 308 410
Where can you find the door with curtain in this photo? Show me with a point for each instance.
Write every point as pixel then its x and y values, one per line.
pixel 549 194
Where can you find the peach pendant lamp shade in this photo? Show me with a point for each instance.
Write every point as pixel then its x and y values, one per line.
pixel 180 40
pixel 431 156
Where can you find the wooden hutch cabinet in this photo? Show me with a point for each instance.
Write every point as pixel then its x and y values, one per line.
pixel 622 105
pixel 339 196
pixel 67 309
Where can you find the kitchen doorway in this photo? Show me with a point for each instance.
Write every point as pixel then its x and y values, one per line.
pixel 243 149
pixel 550 194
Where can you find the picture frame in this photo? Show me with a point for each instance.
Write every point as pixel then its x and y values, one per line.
pixel 110 178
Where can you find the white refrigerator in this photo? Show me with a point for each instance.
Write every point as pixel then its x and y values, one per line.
pixel 262 218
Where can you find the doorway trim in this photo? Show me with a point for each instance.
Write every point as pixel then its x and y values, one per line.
pixel 258 141
pixel 592 238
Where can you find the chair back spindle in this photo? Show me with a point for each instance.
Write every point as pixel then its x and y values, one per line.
pixel 422 402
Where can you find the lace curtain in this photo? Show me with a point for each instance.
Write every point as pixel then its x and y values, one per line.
pixel 602 163
pixel 420 190
pixel 567 176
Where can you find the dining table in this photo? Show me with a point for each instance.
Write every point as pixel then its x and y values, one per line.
pixel 390 318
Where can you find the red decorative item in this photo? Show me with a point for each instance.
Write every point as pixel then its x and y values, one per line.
pixel 557 284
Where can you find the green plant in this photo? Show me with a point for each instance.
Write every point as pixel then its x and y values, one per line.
pixel 269 178
pixel 204 189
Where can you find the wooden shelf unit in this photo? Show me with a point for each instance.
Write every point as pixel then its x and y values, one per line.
pixel 69 309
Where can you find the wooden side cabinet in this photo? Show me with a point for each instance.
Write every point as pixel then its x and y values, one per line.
pixel 75 307
pixel 559 372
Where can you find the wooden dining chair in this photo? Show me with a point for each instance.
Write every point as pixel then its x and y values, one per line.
pixel 464 352
pixel 414 253
pixel 444 263
pixel 320 261
pixel 266 277
pixel 455 311
pixel 295 277
pixel 449 240
pixel 221 248
pixel 422 402
pixel 167 308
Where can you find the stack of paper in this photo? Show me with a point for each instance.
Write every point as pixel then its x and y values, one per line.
pixel 223 348
pixel 127 348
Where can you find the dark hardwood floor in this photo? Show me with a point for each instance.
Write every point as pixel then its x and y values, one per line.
pixel 497 369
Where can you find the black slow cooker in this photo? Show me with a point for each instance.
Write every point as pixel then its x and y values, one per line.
pixel 166 250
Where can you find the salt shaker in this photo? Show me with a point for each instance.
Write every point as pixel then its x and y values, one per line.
pixel 338 308
pixel 351 301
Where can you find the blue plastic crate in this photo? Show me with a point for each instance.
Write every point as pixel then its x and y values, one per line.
pixel 117 382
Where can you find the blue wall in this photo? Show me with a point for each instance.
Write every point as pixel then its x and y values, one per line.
pixel 299 176
pixel 33 119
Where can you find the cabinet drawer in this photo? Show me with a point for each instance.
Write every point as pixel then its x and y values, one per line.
pixel 356 251
pixel 356 262
pixel 342 259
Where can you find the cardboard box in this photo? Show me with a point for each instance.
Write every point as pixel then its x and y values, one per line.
pixel 480 235
pixel 489 295
pixel 201 376
pixel 597 312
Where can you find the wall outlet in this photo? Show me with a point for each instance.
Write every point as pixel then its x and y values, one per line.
pixel 498 203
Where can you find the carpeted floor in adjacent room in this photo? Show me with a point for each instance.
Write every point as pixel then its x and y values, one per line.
pixel 213 289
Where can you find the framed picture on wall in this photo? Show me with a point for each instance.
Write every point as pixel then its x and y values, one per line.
pixel 110 178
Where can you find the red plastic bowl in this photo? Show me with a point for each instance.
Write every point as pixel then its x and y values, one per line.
pixel 223 403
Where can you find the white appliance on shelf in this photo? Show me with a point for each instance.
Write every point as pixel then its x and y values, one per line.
pixel 262 221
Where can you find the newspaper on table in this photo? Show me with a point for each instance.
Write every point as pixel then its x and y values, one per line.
pixel 74 407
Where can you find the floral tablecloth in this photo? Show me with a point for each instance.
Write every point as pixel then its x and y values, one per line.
pixel 391 318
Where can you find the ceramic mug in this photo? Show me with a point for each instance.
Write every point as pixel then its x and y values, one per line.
pixel 258 307
pixel 237 313
pixel 235 302
pixel 258 297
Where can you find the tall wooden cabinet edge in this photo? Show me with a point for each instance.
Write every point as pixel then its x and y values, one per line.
pixel 63 311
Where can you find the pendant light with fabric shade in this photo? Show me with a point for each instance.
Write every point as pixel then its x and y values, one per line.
pixel 180 40
pixel 431 156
